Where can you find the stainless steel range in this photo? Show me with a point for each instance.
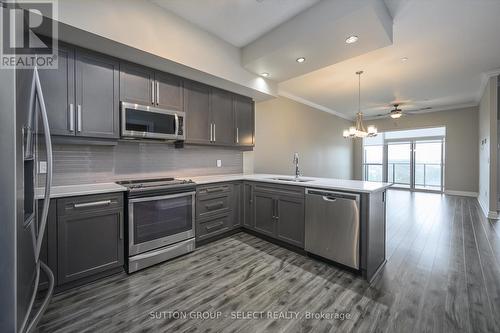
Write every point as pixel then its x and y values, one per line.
pixel 161 220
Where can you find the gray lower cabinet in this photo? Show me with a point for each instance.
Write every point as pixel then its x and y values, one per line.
pixel 248 221
pixel 278 212
pixel 213 226
pixel 237 205
pixel 290 218
pixel 264 213
pixel 48 252
pixel 89 236
pixel 97 95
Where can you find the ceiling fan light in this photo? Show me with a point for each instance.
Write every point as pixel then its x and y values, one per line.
pixel 396 115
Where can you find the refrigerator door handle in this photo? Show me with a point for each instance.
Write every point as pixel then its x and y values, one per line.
pixel 48 177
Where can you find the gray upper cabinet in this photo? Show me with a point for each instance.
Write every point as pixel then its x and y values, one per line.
pixel 264 213
pixel 169 92
pixel 290 218
pixel 97 89
pixel 142 85
pixel 136 84
pixel 244 115
pixel 222 115
pixel 197 108
pixel 58 87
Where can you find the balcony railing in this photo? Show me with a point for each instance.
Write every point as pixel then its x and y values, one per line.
pixel 427 175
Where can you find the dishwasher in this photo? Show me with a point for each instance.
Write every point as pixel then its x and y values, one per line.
pixel 332 226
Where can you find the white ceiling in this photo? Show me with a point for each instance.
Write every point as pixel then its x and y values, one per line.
pixel 238 22
pixel 448 43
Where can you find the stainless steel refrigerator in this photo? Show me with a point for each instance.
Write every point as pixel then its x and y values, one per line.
pixel 35 147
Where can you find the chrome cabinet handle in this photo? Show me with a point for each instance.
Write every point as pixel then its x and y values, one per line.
pixel 237 135
pixel 93 204
pixel 211 132
pixel 79 118
pixel 277 210
pixel 157 93
pixel 153 92
pixel 214 133
pixel 71 117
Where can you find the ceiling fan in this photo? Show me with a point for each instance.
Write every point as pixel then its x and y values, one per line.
pixel 397 112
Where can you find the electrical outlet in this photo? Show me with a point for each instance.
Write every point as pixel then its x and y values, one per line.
pixel 219 163
pixel 42 167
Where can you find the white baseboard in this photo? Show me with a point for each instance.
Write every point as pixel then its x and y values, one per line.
pixel 489 214
pixel 461 193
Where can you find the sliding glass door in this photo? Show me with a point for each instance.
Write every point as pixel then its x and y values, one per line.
pixel 410 159
pixel 429 165
pixel 399 171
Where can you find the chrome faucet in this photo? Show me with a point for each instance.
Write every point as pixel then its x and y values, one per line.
pixel 296 163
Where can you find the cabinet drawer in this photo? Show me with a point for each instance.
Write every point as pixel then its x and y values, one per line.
pixel 89 203
pixel 212 227
pixel 214 190
pixel 295 191
pixel 212 205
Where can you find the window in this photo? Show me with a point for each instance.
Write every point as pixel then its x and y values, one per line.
pixel 373 163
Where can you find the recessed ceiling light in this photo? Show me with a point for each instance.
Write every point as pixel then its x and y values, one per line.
pixel 404 59
pixel 264 74
pixel 351 39
pixel 301 59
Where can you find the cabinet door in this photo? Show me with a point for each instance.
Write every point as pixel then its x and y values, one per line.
pixel 97 91
pixel 169 91
pixel 197 108
pixel 237 209
pixel 248 221
pixel 58 86
pixel 290 220
pixel 221 108
pixel 264 210
pixel 245 121
pixel 89 243
pixel 136 84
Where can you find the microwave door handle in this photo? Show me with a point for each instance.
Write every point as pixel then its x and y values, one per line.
pixel 176 124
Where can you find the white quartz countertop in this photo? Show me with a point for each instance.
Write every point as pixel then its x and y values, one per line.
pixel 83 189
pixel 313 182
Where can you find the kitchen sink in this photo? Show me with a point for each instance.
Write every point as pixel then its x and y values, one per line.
pixel 293 179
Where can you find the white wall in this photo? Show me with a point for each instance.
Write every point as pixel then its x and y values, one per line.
pixel 284 126
pixel 148 27
pixel 488 148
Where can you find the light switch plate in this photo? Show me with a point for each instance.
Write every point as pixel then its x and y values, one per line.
pixel 219 163
pixel 42 167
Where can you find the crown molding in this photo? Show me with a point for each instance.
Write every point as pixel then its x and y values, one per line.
pixel 484 81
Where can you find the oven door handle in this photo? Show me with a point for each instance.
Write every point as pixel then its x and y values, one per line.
pixel 163 197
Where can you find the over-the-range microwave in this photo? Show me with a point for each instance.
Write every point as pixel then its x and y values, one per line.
pixel 146 122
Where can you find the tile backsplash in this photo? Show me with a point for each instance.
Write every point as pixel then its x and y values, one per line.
pixel 78 164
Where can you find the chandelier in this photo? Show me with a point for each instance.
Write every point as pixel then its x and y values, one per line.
pixel 359 131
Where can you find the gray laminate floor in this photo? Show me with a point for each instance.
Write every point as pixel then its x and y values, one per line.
pixel 442 275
